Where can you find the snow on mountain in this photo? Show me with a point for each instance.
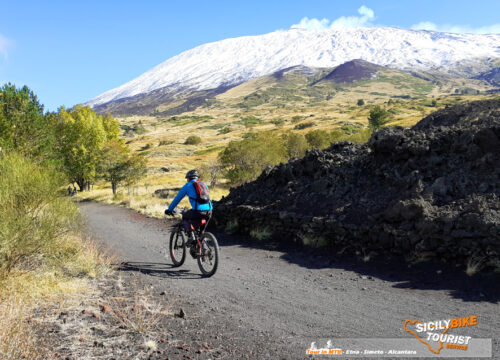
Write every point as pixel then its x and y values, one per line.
pixel 232 61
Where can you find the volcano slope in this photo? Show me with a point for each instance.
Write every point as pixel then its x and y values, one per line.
pixel 431 191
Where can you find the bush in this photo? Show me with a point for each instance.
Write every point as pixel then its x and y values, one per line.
pixel 296 145
pixel 278 122
pixel 244 160
pixel 165 142
pixel 225 130
pixel 360 102
pixel 193 140
pixel 318 139
pixel 211 173
pixel 304 125
pixel 250 121
pixel 378 117
pixel 33 214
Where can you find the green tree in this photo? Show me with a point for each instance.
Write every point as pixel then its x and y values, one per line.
pixel 244 160
pixel 113 164
pixel 378 117
pixel 136 169
pixel 296 145
pixel 318 139
pixel 23 126
pixel 81 135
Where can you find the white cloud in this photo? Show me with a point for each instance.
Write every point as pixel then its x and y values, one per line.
pixel 461 29
pixel 4 44
pixel 367 15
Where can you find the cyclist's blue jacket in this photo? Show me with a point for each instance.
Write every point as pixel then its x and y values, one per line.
pixel 188 189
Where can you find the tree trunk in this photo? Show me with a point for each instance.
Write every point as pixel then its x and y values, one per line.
pixel 113 186
pixel 81 184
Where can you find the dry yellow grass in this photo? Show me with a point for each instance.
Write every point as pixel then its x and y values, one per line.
pixel 142 315
pixel 65 274
pixel 18 339
pixel 62 281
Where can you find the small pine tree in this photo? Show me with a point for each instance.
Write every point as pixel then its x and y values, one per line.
pixel 378 117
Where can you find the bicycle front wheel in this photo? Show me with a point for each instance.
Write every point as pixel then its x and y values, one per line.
pixel 208 260
pixel 177 247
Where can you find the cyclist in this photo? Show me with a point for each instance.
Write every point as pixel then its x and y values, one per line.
pixel 198 211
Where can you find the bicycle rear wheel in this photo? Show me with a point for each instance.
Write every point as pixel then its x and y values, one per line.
pixel 208 261
pixel 177 247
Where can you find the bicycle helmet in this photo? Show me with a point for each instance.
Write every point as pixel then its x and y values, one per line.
pixel 192 174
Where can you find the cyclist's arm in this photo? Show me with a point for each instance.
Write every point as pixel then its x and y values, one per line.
pixel 180 195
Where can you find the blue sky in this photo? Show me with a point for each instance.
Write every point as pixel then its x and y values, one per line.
pixel 69 51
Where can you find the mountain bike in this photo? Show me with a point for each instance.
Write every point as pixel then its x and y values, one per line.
pixel 203 246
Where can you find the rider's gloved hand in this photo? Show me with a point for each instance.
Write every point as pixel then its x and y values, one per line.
pixel 169 212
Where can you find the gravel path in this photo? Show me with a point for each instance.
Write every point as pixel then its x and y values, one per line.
pixel 269 303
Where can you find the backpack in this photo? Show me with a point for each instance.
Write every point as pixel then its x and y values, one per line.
pixel 202 194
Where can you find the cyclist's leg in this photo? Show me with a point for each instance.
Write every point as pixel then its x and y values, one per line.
pixel 189 217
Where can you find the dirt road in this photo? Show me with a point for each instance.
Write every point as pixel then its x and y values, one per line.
pixel 273 304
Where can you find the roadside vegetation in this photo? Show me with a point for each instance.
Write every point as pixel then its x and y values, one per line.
pixel 44 260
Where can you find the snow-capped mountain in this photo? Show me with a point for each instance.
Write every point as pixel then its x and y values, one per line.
pixel 232 61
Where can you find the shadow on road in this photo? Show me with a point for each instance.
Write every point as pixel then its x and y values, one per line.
pixel 404 275
pixel 158 269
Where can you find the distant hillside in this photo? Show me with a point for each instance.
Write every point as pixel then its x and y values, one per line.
pixel 227 63
pixel 297 85
pixel 351 71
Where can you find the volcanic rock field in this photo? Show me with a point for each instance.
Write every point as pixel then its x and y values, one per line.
pixel 431 191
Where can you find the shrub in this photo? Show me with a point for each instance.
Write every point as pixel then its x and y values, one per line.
pixel 250 121
pixel 231 227
pixel 244 160
pixel 225 130
pixel 165 142
pixel 278 122
pixel 360 102
pixel 261 233
pixel 318 139
pixel 193 140
pixel 296 145
pixel 33 214
pixel 211 172
pixel 304 125
pixel 360 137
pixel 378 117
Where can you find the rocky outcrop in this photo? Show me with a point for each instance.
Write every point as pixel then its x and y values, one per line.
pixel 430 190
